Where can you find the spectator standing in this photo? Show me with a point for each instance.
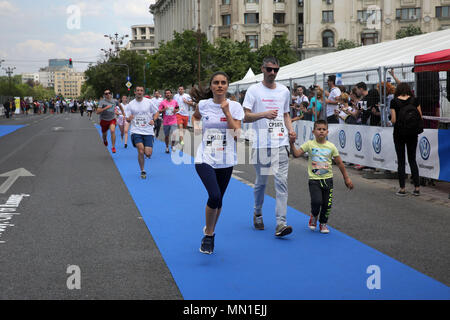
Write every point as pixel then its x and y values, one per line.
pixel 406 115
pixel 331 100
pixel 370 100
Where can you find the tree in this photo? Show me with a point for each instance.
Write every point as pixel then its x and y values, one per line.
pixel 112 73
pixel 409 31
pixel 344 44
pixel 176 61
pixel 280 48
pixel 232 57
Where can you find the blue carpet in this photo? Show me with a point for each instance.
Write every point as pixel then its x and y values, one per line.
pixel 254 265
pixel 4 130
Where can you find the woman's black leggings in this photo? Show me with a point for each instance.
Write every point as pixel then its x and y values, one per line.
pixel 411 146
pixel 321 192
pixel 215 181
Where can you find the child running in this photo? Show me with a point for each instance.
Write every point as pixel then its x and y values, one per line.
pixel 321 152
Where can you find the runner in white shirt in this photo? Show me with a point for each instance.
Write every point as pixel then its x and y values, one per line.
pixel 142 114
pixel 267 105
pixel 157 99
pixel 184 101
pixel 216 155
pixel 121 118
pixel 89 109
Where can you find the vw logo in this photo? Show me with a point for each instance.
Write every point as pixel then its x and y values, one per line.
pixel 376 142
pixel 425 148
pixel 342 139
pixel 358 141
pixel 304 133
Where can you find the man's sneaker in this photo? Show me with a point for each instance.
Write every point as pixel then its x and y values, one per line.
pixel 283 230
pixel 416 193
pixel 143 175
pixel 207 246
pixel 324 228
pixel 126 146
pixel 113 150
pixel 105 142
pixel 167 150
pixel 312 223
pixel 258 222
pixel 401 193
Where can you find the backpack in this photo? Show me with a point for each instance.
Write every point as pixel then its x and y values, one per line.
pixel 409 120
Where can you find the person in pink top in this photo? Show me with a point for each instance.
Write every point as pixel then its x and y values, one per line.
pixel 170 108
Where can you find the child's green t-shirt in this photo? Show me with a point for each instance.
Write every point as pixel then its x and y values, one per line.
pixel 320 159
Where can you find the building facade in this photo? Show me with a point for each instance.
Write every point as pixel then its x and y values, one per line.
pixel 30 77
pixel 68 82
pixel 313 27
pixel 142 39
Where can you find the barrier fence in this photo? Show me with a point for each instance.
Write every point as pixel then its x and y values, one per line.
pixel 431 88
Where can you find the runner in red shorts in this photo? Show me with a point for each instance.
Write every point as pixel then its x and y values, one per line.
pixel 184 101
pixel 106 110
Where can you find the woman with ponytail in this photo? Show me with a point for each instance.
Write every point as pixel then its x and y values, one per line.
pixel 216 155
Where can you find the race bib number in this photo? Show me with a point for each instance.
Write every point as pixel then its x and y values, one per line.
pixel 141 121
pixel 215 142
pixel 169 111
pixel 276 129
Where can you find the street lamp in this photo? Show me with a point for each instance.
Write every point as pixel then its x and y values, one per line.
pixel 116 41
pixel 9 71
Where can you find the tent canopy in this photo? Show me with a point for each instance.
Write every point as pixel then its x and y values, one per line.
pixel 249 74
pixel 438 57
pixel 391 53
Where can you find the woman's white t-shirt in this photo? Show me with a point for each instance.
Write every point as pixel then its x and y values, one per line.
pixel 218 148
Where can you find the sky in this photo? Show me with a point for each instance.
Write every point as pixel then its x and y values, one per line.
pixel 33 31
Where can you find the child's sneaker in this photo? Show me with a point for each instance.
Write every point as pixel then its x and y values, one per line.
pixel 324 228
pixel 312 223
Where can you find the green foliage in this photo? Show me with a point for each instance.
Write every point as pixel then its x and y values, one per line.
pixel 19 89
pixel 176 63
pixel 344 44
pixel 409 31
pixel 281 48
pixel 112 74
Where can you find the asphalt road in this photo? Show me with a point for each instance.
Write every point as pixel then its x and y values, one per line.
pixel 80 213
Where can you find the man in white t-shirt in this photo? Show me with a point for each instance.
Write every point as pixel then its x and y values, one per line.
pixel 331 100
pixel 142 114
pixel 184 101
pixel 266 105
pixel 157 99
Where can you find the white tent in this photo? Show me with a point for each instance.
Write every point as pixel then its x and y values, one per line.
pixel 391 53
pixel 249 74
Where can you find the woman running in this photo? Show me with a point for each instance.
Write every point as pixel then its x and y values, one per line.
pixel 123 125
pixel 216 155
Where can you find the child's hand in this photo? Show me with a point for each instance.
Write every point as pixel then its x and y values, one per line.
pixel 349 183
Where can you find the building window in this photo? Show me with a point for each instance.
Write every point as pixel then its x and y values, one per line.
pixel 408 14
pixel 369 38
pixel 278 1
pixel 225 1
pixel 300 18
pixel 251 1
pixel 364 15
pixel 252 40
pixel 226 20
pixel 278 18
pixel 300 41
pixel 328 39
pixel 443 12
pixel 251 18
pixel 327 16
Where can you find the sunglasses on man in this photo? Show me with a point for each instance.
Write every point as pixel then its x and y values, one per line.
pixel 270 69
pixel 107 93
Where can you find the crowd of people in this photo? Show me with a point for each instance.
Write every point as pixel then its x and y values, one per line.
pixel 53 106
pixel 271 108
